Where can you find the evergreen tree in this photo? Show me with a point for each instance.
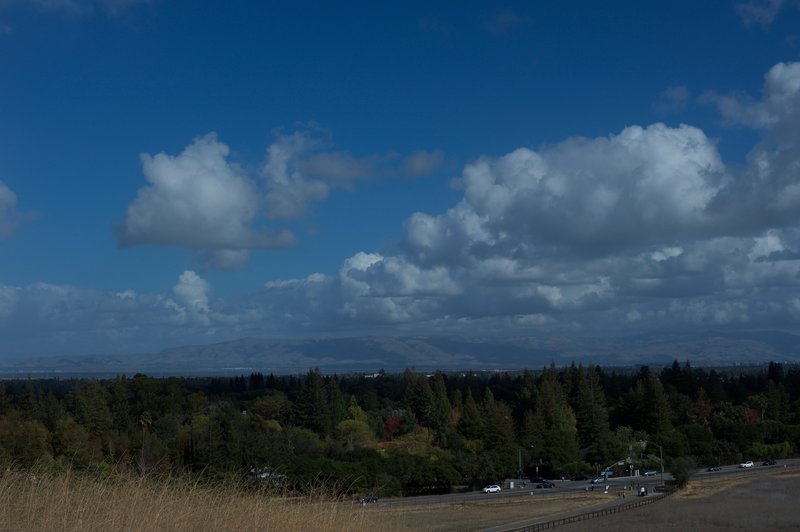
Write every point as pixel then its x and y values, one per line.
pixel 314 411
pixel 471 422
pixel 337 406
pixel 418 397
pixel 28 402
pixel 594 432
pixel 498 430
pixel 441 412
pixel 560 438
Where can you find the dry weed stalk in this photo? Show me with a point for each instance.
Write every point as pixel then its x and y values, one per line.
pixel 70 501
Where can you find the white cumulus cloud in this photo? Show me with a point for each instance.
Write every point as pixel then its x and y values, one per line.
pixel 193 291
pixel 766 192
pixel 596 196
pixel 199 200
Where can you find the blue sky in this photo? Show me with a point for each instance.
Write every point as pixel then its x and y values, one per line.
pixel 181 172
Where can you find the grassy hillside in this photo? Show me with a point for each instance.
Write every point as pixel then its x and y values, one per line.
pixel 70 502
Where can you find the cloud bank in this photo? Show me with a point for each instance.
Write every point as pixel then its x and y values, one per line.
pixel 202 201
pixel 645 229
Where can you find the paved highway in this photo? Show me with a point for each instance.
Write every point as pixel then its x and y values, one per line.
pixel 614 485
pixel 567 486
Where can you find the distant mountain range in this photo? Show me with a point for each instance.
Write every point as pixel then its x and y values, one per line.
pixel 372 353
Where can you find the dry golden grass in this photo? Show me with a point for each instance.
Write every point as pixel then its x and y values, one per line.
pixel 72 502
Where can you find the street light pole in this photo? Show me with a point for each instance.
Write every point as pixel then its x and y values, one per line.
pixel 660 455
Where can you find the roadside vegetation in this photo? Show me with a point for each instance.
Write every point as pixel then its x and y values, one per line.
pixel 398 434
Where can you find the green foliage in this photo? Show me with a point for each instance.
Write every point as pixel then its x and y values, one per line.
pixel 314 405
pixel 498 428
pixel 352 434
pixel 681 469
pixel 400 434
pixel 418 397
pixel 24 441
pixel 471 422
pixel 771 450
pixel 274 405
pixel 555 432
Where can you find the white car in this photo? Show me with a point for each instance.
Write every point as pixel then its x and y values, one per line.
pixel 494 488
pixel 747 464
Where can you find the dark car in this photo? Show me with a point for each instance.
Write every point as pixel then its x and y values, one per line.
pixel 713 468
pixel 538 480
pixel 368 498
pixel 769 462
pixel 545 484
pixel 580 477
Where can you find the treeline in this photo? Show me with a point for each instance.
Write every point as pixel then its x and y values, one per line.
pixel 408 433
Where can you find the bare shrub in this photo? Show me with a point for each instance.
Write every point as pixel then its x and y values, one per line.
pixel 681 469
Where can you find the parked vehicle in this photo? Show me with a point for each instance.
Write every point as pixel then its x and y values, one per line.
pixel 713 468
pixel 650 473
pixel 368 498
pixel 598 480
pixel 746 465
pixel 494 488
pixel 545 484
pixel 769 462
pixel 580 477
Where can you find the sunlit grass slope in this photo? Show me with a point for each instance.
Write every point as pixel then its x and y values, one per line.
pixel 68 501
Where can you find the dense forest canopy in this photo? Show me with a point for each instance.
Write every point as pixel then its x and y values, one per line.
pixel 407 433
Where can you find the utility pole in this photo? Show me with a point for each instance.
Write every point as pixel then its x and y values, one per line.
pixel 660 456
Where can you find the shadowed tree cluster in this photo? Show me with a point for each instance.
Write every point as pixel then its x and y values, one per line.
pixel 408 433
